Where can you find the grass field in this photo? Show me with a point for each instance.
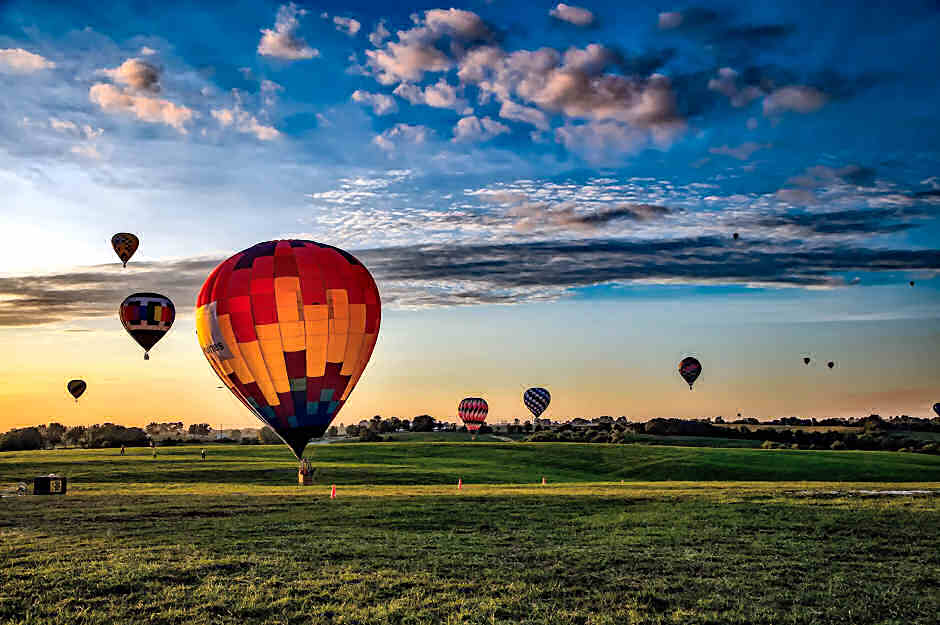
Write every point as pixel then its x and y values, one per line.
pixel 233 540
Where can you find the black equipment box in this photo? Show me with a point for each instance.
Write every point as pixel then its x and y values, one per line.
pixel 50 485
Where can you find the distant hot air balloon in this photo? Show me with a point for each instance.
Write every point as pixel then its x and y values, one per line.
pixel 735 235
pixel 912 283
pixel 147 317
pixel 936 408
pixel 806 360
pixel 472 411
pixel 288 326
pixel 76 388
pixel 830 364
pixel 690 368
pixel 124 244
pixel 536 400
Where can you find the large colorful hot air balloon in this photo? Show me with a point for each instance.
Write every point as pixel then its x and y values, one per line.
pixel 288 326
pixel 472 411
pixel 690 368
pixel 124 244
pixel 76 388
pixel 147 317
pixel 536 400
pixel 936 408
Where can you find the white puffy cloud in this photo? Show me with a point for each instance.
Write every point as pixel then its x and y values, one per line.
pixel 572 14
pixel 670 19
pixel 282 41
pixel 380 34
pixel 726 84
pixel 741 152
pixel 381 104
pixel 796 98
pixel 143 107
pixel 245 122
pixel 440 95
pixel 136 74
pixel 402 133
pixel 473 129
pixel 599 141
pixel 527 114
pixel 347 25
pixel 20 61
pixel 465 25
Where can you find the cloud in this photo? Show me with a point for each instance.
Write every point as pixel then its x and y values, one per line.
pixel 145 51
pixel 742 152
pixel 670 19
pixel 726 83
pixel 796 98
pixel 245 122
pixel 439 95
pixel 20 61
pixel 402 133
pixel 607 140
pixel 380 34
pixel 282 41
pixel 845 222
pixel 137 75
pixel 347 25
pixel 541 215
pixel 511 110
pixel 381 104
pixel 144 108
pixel 416 50
pixel 572 14
pixel 86 150
pixel 473 129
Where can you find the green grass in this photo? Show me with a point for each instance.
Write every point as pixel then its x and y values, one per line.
pixel 233 540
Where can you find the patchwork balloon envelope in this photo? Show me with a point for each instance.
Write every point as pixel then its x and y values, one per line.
pixel 289 326
pixel 76 388
pixel 536 399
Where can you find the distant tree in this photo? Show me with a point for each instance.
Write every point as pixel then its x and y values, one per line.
pixel 369 435
pixel 332 432
pixel 405 424
pixel 528 427
pixel 837 445
pixel 21 439
pixel 199 429
pixel 235 435
pixel 75 436
pixel 352 430
pixel 422 423
pixel 267 436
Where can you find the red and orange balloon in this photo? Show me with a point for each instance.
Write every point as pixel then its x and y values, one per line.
pixel 289 326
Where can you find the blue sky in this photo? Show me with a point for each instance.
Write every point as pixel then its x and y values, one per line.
pixel 556 157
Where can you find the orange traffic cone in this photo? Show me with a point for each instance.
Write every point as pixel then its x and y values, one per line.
pixel 459 483
pixel 333 492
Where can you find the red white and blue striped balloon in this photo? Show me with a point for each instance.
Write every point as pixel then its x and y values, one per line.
pixel 472 411
pixel 536 399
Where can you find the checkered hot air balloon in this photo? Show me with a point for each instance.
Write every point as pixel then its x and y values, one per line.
pixel 288 326
pixel 147 317
pixel 536 400
pixel 124 244
pixel 690 368
pixel 472 411
pixel 76 388
pixel 936 408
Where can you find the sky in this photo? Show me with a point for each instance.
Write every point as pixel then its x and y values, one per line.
pixel 545 194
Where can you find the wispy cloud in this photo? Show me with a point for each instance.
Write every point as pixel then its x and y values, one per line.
pixel 282 41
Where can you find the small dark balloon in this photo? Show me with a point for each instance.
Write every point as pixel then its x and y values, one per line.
pixel 806 361
pixel 830 364
pixel 690 368
pixel 936 408
pixel 735 235
pixel 76 388
pixel 912 283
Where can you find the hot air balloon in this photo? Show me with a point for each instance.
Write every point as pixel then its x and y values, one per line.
pixel 536 400
pixel 830 364
pixel 288 326
pixel 124 244
pixel 472 411
pixel 936 408
pixel 76 388
pixel 690 368
pixel 735 235
pixel 147 317
pixel 912 283
pixel 806 360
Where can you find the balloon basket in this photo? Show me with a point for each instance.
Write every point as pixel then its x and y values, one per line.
pixel 305 479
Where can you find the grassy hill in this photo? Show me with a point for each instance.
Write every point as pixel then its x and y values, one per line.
pixel 234 540
pixel 479 462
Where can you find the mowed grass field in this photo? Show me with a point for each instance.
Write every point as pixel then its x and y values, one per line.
pixel 692 535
